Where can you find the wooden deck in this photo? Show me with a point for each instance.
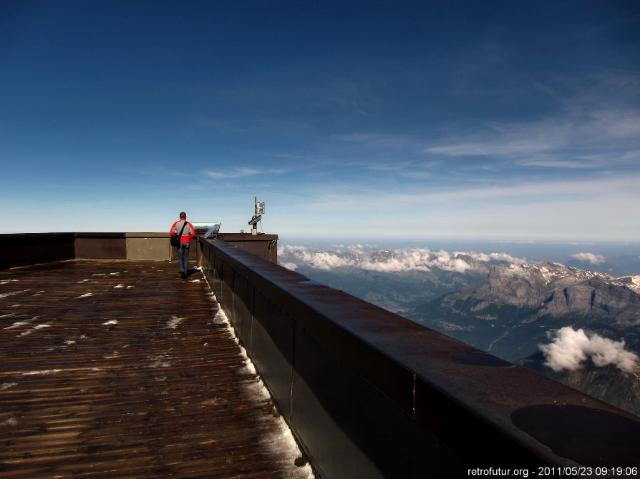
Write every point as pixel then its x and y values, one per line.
pixel 122 369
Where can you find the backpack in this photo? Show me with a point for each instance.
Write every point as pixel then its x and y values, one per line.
pixel 175 240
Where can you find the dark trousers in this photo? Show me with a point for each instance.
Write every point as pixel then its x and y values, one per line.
pixel 183 257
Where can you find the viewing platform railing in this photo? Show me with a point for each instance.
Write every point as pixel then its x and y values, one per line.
pixel 371 394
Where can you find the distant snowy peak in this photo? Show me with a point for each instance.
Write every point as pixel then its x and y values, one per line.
pixel 631 282
pixel 548 273
pixel 559 275
pixel 552 289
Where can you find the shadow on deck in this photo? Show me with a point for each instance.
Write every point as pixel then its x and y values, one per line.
pixel 113 369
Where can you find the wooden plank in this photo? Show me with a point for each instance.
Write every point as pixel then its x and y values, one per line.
pixel 117 369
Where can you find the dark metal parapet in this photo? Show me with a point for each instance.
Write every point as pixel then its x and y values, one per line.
pixel 263 245
pixel 30 248
pixel 372 394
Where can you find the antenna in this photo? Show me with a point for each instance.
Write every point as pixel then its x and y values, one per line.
pixel 259 210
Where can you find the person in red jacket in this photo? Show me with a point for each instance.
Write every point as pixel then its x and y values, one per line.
pixel 187 232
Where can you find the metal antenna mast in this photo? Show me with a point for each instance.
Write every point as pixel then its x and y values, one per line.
pixel 259 209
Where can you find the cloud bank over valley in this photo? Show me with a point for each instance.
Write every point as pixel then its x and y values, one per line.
pixel 393 260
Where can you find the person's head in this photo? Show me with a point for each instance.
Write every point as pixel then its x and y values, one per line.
pixel 183 215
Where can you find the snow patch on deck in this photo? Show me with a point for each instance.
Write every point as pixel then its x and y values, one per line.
pixel 12 293
pixel 248 367
pixel 220 317
pixel 159 361
pixel 281 440
pixel 19 324
pixel 35 328
pixel 174 322
pixel 41 372
pixel 12 421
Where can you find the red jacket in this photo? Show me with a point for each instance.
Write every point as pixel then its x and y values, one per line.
pixel 187 235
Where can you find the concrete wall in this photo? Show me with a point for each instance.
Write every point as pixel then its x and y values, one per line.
pixel 263 245
pixel 370 394
pixel 100 246
pixel 148 246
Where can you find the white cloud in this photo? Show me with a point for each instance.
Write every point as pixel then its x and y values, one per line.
pixel 316 259
pixel 589 258
pixel 528 210
pixel 554 163
pixel 380 140
pixel 493 148
pixel 235 173
pixel 417 174
pixel 244 171
pixel 388 260
pixel 603 130
pixel 569 348
pixel 540 190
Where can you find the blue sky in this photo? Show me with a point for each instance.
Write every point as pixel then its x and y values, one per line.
pixel 475 120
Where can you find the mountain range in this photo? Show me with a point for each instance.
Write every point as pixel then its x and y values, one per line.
pixel 510 312
pixel 515 310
